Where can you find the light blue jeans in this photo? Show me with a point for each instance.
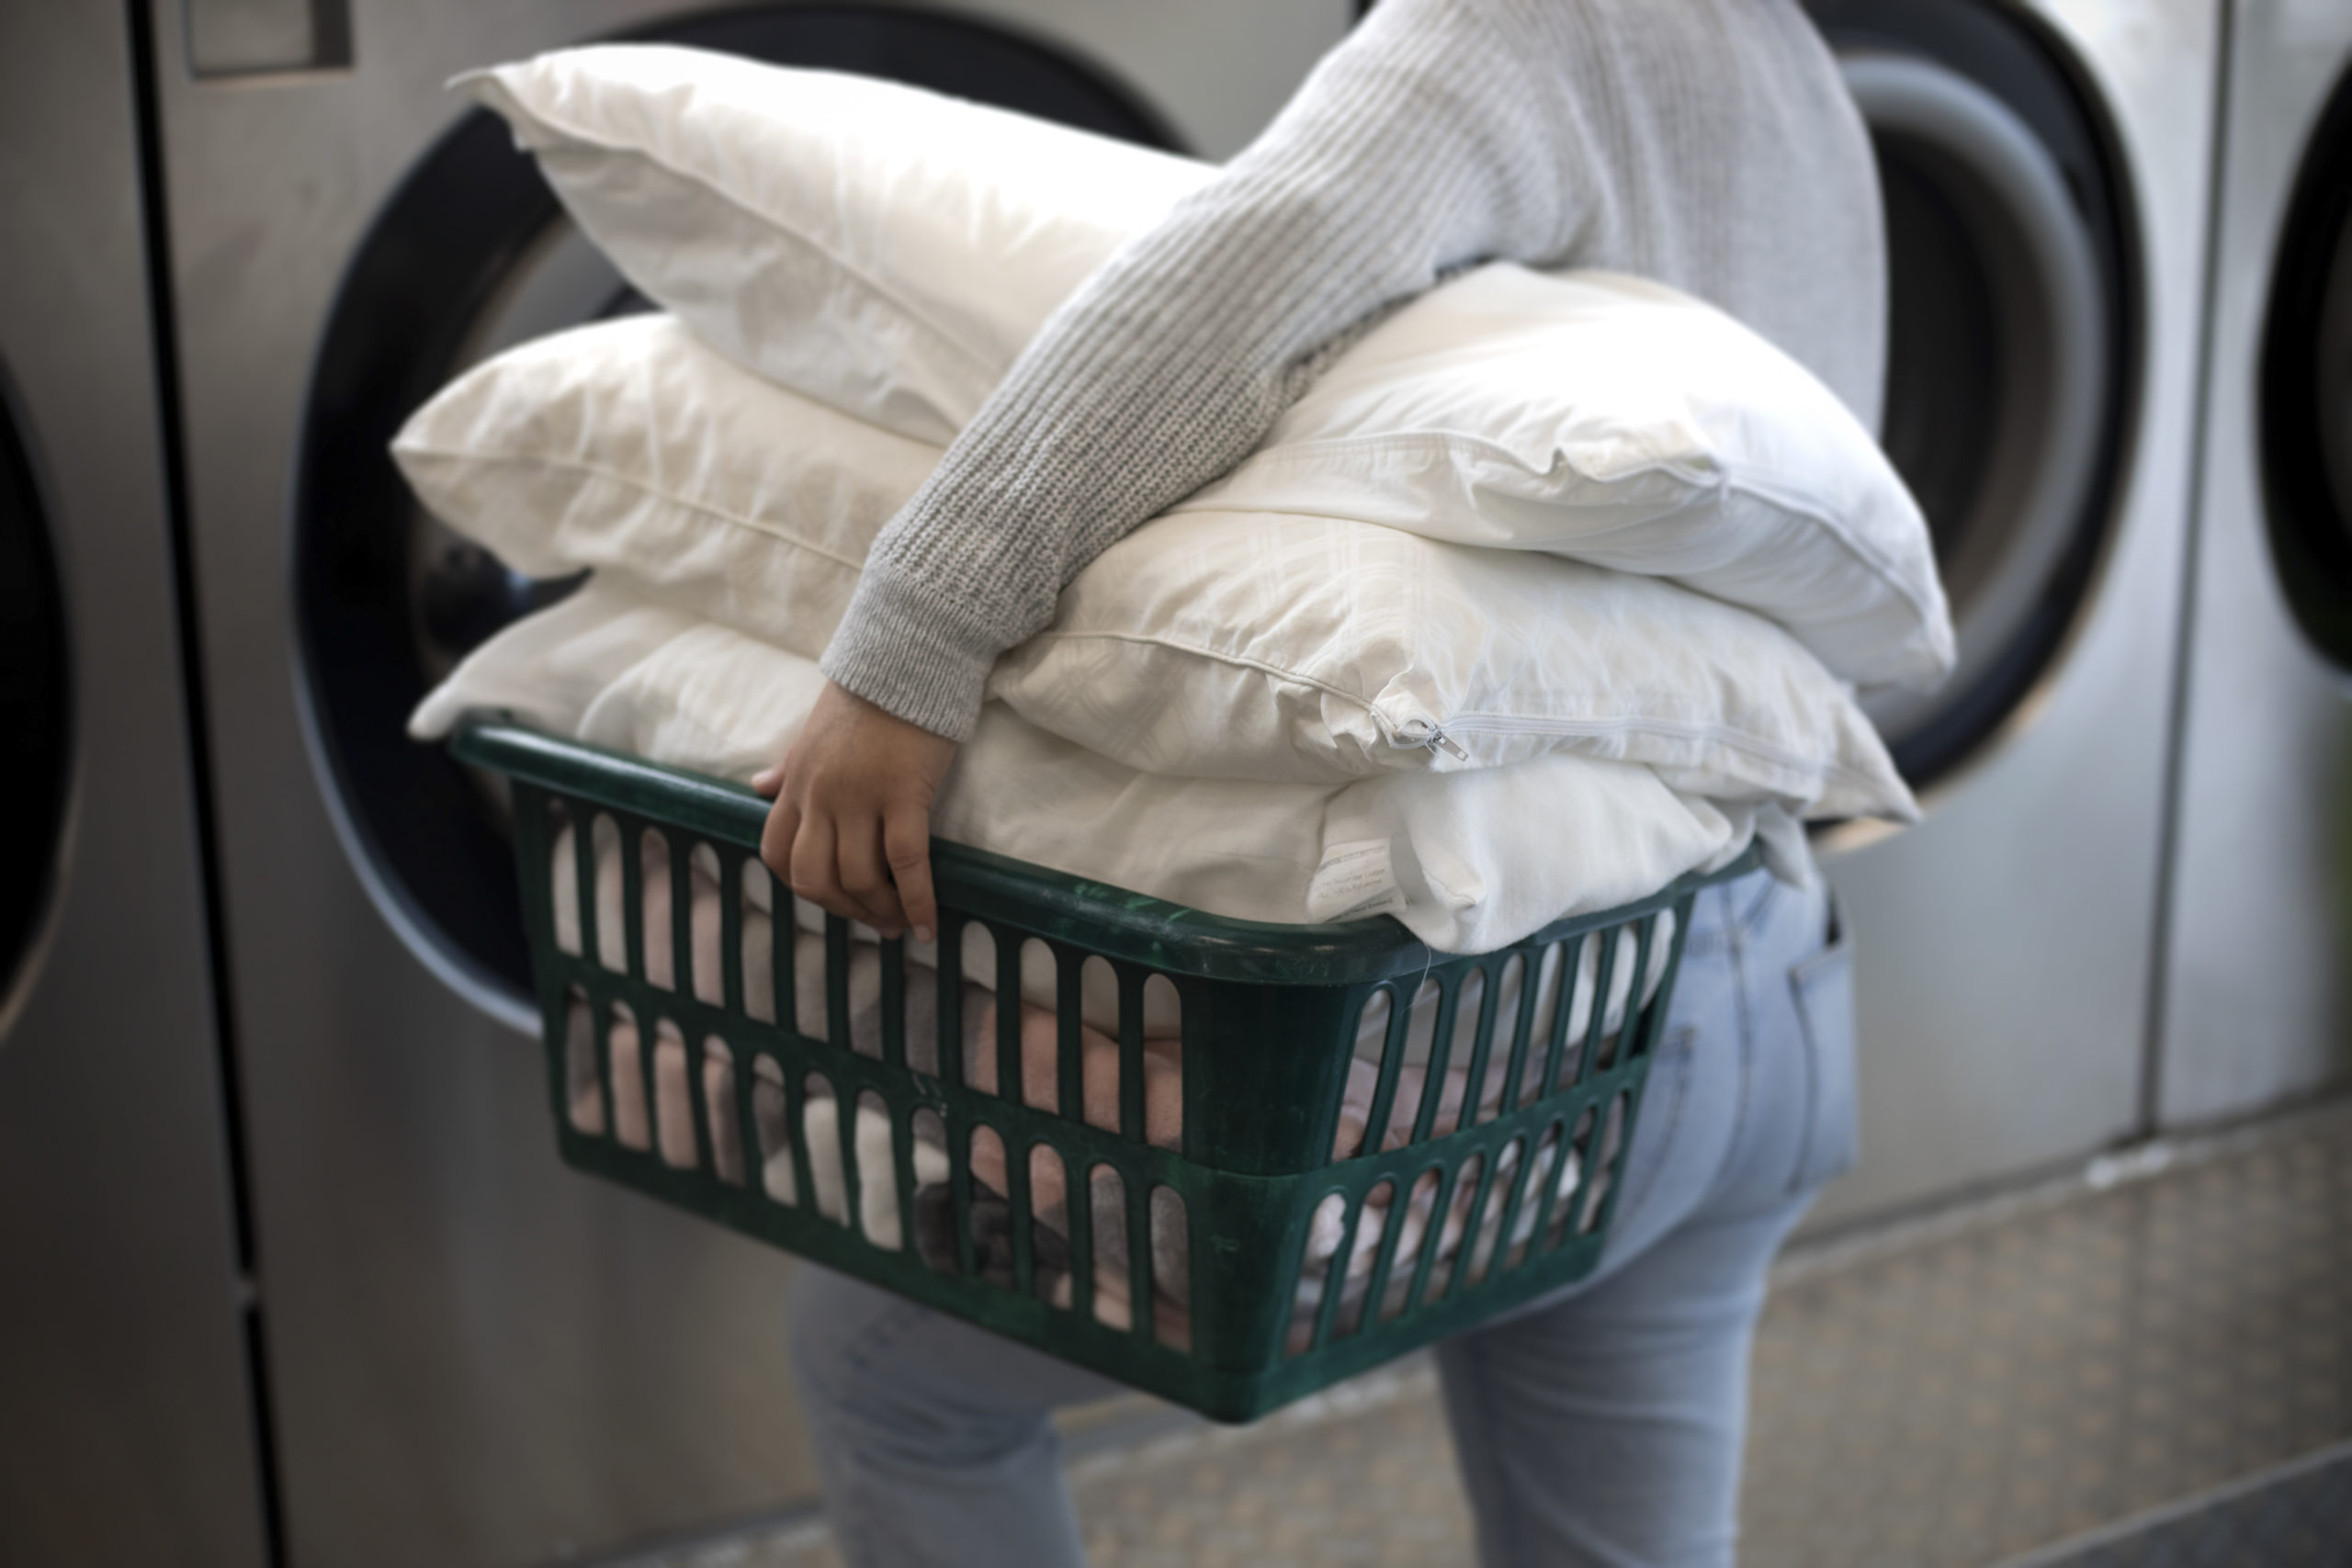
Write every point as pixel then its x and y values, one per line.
pixel 1600 1425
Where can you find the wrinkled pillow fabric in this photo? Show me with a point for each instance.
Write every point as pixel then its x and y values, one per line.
pixel 885 248
pixel 889 252
pixel 1468 862
pixel 1618 422
pixel 630 447
pixel 1205 644
pixel 1243 645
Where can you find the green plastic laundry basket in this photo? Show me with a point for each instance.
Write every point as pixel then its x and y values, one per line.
pixel 1269 1016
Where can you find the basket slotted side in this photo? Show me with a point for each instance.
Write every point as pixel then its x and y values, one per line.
pixel 1269 1022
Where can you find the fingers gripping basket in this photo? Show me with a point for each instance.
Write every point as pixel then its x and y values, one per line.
pixel 846 1105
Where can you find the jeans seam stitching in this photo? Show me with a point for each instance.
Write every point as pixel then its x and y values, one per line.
pixel 1740 1130
pixel 1809 1125
pixel 1683 1038
pixel 1800 979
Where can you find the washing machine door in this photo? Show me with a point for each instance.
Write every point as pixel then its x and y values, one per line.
pixel 472 255
pixel 35 703
pixel 2009 348
pixel 2305 390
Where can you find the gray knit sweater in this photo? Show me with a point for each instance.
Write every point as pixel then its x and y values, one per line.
pixel 1705 143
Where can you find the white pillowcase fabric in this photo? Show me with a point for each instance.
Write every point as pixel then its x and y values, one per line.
pixel 1620 423
pixel 1468 862
pixel 890 251
pixel 1244 644
pixel 630 447
pixel 1207 643
pixel 887 250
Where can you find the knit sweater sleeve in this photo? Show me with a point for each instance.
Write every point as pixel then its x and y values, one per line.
pixel 1437 134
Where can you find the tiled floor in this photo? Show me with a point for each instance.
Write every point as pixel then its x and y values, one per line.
pixel 1954 1393
pixel 1957 1398
pixel 2293 1516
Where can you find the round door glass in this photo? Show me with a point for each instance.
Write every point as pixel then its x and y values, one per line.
pixel 34 707
pixel 2009 343
pixel 2306 389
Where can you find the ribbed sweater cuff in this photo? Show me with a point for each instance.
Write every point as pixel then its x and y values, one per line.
pixel 903 650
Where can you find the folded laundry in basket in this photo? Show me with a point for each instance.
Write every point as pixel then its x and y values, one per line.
pixel 1114 1301
pixel 872 1140
pixel 873 1151
pixel 1098 992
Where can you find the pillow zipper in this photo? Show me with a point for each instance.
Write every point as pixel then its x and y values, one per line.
pixel 1421 732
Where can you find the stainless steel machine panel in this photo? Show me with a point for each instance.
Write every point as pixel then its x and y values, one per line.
pixel 2256 996
pixel 476 1355
pixel 125 1435
pixel 2004 944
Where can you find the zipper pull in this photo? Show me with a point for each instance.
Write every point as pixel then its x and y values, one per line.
pixel 1422 733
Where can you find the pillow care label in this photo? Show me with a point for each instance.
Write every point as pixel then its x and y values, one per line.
pixel 1355 880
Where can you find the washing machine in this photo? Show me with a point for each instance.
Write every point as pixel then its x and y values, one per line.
pixel 127 1432
pixel 2045 169
pixel 2261 900
pixel 473 1355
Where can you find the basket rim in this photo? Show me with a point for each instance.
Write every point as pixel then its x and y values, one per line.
pixel 1098 916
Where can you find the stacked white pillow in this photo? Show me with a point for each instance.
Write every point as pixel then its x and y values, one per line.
pixel 875 245
pixel 630 448
pixel 1469 862
pixel 829 231
pixel 1338 619
pixel 1617 422
pixel 1212 644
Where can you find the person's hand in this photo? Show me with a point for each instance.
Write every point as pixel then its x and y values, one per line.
pixel 850 828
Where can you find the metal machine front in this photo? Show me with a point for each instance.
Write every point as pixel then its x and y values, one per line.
pixel 2045 170
pixel 127 1435
pixel 2258 1006
pixel 475 1356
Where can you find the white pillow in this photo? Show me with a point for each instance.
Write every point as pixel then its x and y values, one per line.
pixel 630 447
pixel 890 251
pixel 1620 423
pixel 1240 645
pixel 1469 862
pixel 1210 644
pixel 885 248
